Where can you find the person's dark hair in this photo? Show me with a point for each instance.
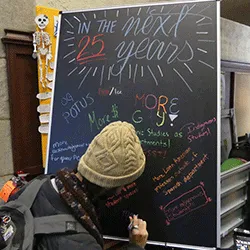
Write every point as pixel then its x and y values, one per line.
pixel 96 192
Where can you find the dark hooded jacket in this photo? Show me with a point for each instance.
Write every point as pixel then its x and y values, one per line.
pixel 47 203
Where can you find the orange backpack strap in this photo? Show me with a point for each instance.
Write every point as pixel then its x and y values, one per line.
pixel 7 189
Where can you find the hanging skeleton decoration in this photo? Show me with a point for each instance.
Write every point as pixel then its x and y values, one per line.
pixel 42 48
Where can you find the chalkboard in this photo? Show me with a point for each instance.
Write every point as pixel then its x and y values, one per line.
pixel 154 66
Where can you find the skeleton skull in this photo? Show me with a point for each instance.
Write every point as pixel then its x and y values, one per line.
pixel 42 21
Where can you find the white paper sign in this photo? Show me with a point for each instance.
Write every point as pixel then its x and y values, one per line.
pixel 43 108
pixel 44 118
pixel 44 129
pixel 44 96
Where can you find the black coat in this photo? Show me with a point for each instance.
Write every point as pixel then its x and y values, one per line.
pixel 48 202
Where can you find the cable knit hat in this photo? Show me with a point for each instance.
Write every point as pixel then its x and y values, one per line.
pixel 114 158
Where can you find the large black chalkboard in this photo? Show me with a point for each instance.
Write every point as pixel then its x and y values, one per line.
pixel 156 67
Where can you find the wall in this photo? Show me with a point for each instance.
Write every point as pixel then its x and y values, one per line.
pixel 80 4
pixel 242 103
pixel 18 15
pixel 235 41
pixel 241 15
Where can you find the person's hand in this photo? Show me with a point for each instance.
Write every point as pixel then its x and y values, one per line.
pixel 138 234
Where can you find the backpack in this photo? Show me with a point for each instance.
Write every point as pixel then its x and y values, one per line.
pixel 18 227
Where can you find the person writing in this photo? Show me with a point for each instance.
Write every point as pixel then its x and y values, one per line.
pixel 113 159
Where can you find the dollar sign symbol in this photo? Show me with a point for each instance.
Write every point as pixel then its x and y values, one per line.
pixel 115 111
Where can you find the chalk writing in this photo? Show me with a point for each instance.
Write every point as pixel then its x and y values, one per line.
pixel 69 147
pixel 100 122
pixel 181 168
pixel 159 177
pixel 185 204
pixel 145 26
pixel 59 144
pixel 106 26
pixel 197 166
pixel 162 117
pixel 138 118
pixel 173 188
pixel 144 44
pixel 156 22
pixel 168 168
pixel 160 105
pixel 131 193
pixel 150 101
pixel 74 111
pixel 95 44
pixel 115 91
pixel 163 184
pixel 182 156
pixel 179 165
pixel 189 176
pixel 63 147
pixel 67 99
pixel 196 131
pixel 191 126
pixel 103 92
pixel 115 111
pixel 150 132
pixel 111 91
pixel 84 27
pixel 63 159
pixel 158 143
pixel 165 178
pixel 156 153
pixel 199 135
pixel 125 193
pixel 152 50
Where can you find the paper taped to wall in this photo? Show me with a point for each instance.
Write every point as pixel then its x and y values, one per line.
pixel 44 96
pixel 44 129
pixel 44 118
pixel 43 108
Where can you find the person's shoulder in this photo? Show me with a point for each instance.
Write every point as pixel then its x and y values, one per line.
pixel 18 193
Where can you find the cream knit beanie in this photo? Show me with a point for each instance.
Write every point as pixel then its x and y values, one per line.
pixel 114 157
